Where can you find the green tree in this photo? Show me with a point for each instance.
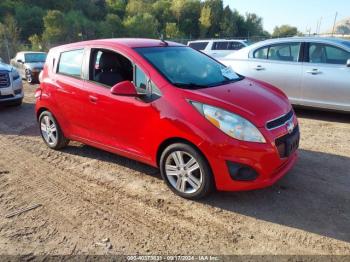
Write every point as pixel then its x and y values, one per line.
pixel 253 25
pixel 172 31
pixel 205 21
pixel 9 35
pixel 161 11
pixel 284 31
pixel 111 27
pixel 216 14
pixel 116 7
pixel 36 43
pixel 141 25
pixel 136 7
pixel 228 26
pixel 30 20
pixel 55 30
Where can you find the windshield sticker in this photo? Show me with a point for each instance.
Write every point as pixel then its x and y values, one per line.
pixel 228 73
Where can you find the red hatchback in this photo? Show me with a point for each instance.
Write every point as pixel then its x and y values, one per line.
pixel 169 106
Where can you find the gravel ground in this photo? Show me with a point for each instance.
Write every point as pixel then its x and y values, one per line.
pixel 88 195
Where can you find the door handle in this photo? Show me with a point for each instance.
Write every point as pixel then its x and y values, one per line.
pixel 314 72
pixel 93 99
pixel 259 68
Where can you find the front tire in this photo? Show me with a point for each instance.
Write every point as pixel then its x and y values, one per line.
pixel 186 171
pixel 51 132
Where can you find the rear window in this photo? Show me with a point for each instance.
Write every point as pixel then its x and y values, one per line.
pixel 198 45
pixel 70 63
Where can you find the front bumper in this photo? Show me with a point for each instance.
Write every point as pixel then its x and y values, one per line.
pixel 264 159
pixel 12 94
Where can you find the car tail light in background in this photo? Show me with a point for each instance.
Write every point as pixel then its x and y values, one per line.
pixel 40 76
pixel 37 94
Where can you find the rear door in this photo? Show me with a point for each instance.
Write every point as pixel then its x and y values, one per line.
pixel 326 78
pixel 280 65
pixel 70 94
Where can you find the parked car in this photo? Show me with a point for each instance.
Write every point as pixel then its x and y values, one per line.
pixel 219 47
pixel 312 71
pixel 29 65
pixel 169 106
pixel 11 90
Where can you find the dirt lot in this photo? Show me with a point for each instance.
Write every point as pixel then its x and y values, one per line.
pixel 88 195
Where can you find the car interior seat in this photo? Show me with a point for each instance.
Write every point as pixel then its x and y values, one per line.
pixel 109 70
pixel 318 55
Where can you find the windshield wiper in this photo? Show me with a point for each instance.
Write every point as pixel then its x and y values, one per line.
pixel 189 85
pixel 225 82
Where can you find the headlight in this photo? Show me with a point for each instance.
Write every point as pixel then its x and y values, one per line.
pixel 15 74
pixel 229 123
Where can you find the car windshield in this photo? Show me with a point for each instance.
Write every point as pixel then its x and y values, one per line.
pixel 187 68
pixel 34 57
pixel 347 43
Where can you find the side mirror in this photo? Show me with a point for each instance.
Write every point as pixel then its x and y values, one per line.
pixel 348 63
pixel 20 61
pixel 125 88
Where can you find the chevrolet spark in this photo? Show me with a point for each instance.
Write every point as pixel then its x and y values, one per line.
pixel 167 105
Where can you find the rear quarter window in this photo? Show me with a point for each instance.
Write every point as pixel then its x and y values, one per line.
pixel 198 45
pixel 70 63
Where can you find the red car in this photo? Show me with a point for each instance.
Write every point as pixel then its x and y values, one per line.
pixel 172 107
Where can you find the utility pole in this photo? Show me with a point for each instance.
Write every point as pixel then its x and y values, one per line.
pixel 335 20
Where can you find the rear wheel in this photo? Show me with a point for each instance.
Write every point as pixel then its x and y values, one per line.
pixel 51 131
pixel 186 171
pixel 29 76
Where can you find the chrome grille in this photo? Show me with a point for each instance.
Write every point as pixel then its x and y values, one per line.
pixel 4 79
pixel 280 121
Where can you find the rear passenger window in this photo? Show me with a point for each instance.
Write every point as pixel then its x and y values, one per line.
pixel 199 45
pixel 235 46
pixel 327 54
pixel 70 63
pixel 220 45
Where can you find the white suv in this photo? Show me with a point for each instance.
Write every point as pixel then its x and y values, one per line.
pixel 11 88
pixel 218 47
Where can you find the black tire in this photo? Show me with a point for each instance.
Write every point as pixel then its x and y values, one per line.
pixel 29 77
pixel 207 184
pixel 61 140
pixel 16 103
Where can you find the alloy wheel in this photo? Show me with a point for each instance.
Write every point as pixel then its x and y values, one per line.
pixel 183 172
pixel 49 130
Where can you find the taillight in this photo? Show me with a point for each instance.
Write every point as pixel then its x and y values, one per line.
pixel 40 76
pixel 37 94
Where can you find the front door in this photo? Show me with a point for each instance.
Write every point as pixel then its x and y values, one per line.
pixel 120 122
pixel 326 78
pixel 279 66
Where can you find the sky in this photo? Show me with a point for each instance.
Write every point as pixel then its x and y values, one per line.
pixel 304 15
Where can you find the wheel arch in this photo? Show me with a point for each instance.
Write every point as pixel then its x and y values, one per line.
pixel 173 140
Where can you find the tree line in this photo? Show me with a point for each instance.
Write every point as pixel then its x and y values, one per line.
pixel 43 23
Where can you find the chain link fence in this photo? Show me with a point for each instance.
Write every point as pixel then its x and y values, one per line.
pixel 8 50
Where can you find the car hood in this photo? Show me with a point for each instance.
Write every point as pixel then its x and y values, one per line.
pixel 5 67
pixel 35 65
pixel 256 101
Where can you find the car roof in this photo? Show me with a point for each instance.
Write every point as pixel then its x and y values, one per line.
pixel 221 40
pixel 330 40
pixel 125 42
pixel 31 52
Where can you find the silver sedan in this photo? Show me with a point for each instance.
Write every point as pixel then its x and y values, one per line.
pixel 312 71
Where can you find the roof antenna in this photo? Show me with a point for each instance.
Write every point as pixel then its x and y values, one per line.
pixel 162 40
